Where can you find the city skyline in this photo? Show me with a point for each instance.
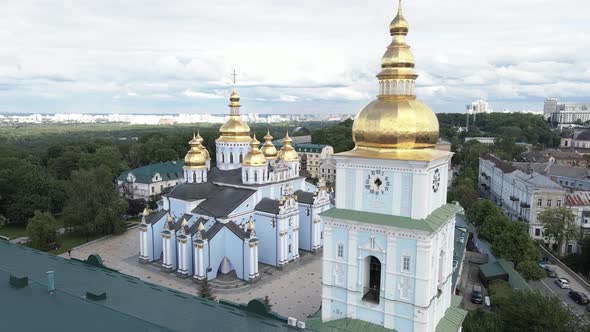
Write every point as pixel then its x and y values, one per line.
pixel 290 58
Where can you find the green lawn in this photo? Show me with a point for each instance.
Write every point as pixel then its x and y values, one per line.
pixel 13 231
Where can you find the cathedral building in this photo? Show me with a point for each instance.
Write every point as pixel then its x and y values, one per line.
pixel 251 207
pixel 388 243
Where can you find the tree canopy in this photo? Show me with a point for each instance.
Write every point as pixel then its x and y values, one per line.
pixel 559 224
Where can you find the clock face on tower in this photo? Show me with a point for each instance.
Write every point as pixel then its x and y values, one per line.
pixel 436 181
pixel 377 183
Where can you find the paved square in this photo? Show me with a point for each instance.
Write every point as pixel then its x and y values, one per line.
pixel 294 293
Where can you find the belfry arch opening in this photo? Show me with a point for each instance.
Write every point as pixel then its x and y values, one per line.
pixel 372 280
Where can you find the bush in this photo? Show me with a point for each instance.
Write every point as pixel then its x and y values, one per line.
pixel 530 270
pixel 41 230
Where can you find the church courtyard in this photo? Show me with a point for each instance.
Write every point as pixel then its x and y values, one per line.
pixel 293 293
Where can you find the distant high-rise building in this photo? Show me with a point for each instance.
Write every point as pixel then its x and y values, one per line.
pixel 549 107
pixel 478 107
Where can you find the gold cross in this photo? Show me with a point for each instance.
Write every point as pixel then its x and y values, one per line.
pixel 234 76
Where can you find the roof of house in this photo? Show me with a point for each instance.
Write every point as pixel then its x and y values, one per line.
pixel 170 170
pixel 504 166
pixel 583 136
pixel 504 267
pixel 453 318
pixel 237 230
pixel 344 325
pixel 268 205
pixel 551 169
pixel 559 154
pixel 431 224
pixel 155 217
pixel 223 201
pixel 578 198
pixel 231 177
pixel 131 304
pixel 305 197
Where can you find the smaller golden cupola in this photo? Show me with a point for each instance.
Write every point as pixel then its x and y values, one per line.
pixel 202 147
pixel 287 152
pixel 268 149
pixel 254 157
pixel 196 157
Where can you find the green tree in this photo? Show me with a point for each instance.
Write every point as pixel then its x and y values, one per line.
pixel 481 321
pixel 205 291
pixel 514 244
pixel 41 230
pixel 530 270
pixel 108 156
pixel 93 205
pixel 492 227
pixel 559 224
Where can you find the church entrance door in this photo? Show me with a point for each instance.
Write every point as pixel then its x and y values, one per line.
pixel 373 284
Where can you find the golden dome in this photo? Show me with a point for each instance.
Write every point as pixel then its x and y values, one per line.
pixel 268 149
pixel 287 152
pixel 202 147
pixel 196 157
pixel 235 130
pixel 254 157
pixel 396 121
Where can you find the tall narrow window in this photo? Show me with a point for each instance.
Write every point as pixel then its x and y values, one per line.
pixel 558 203
pixel 539 202
pixel 241 158
pixel 231 158
pixel 340 250
pixel 549 203
pixel 405 263
pixel 255 176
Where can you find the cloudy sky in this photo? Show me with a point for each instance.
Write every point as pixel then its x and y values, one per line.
pixel 307 56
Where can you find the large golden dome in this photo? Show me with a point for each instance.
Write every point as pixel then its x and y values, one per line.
pixel 268 149
pixel 396 120
pixel 254 157
pixel 235 130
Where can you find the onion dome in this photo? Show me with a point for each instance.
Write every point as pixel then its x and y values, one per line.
pixel 396 120
pixel 254 157
pixel 196 157
pixel 268 149
pixel 287 152
pixel 202 147
pixel 235 130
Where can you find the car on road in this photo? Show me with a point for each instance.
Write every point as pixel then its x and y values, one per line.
pixel 563 283
pixel 476 295
pixel 550 272
pixel 542 263
pixel 579 297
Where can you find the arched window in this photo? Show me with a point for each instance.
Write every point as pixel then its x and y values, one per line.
pixel 194 177
pixel 223 157
pixel 241 158
pixel 246 176
pixel 387 87
pixel 255 176
pixel 231 158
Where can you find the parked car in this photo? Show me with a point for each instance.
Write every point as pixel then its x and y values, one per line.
pixel 542 264
pixel 477 295
pixel 579 297
pixel 550 272
pixel 562 283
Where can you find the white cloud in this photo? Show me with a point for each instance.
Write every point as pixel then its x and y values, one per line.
pixel 287 53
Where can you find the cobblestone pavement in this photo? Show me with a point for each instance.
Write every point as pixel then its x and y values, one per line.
pixel 293 293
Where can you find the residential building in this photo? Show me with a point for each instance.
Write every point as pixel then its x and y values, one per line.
pixel 569 177
pixel 314 154
pixel 328 171
pixel 521 195
pixel 568 115
pixel 579 203
pixel 482 140
pixel 560 157
pixel 389 243
pixel 549 107
pixel 151 180
pixel 478 107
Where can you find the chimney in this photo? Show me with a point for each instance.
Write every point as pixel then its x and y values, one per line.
pixel 50 281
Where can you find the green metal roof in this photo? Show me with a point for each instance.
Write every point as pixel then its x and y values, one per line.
pixel 431 224
pixel 131 304
pixel 492 270
pixel 304 147
pixel 343 325
pixel 453 318
pixel 170 170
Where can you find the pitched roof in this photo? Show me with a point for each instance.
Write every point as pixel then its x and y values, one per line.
pixel 237 230
pixel 555 170
pixel 505 166
pixel 130 304
pixel 155 217
pixel 170 170
pixel 579 198
pixel 431 224
pixel 453 318
pixel 305 197
pixel 223 201
pixel 194 191
pixel 268 205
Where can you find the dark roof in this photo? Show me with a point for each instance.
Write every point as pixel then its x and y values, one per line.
pixel 195 227
pixel 233 176
pixel 194 191
pixel 131 304
pixel 268 205
pixel 170 170
pixel 155 217
pixel 505 166
pixel 305 197
pixel 237 230
pixel 223 201
pixel 583 136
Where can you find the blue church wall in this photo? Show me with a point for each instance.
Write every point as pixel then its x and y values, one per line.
pixel 177 208
pixel 339 305
pixel 305 225
pixel 226 244
pixel 406 247
pixel 290 253
pixel 381 203
pixel 156 238
pixel 371 313
pixel 339 236
pixel 267 245
pixel 402 310
pixel 406 195
pixel 351 185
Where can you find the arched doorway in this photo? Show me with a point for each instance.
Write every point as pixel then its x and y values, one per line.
pixel 372 282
